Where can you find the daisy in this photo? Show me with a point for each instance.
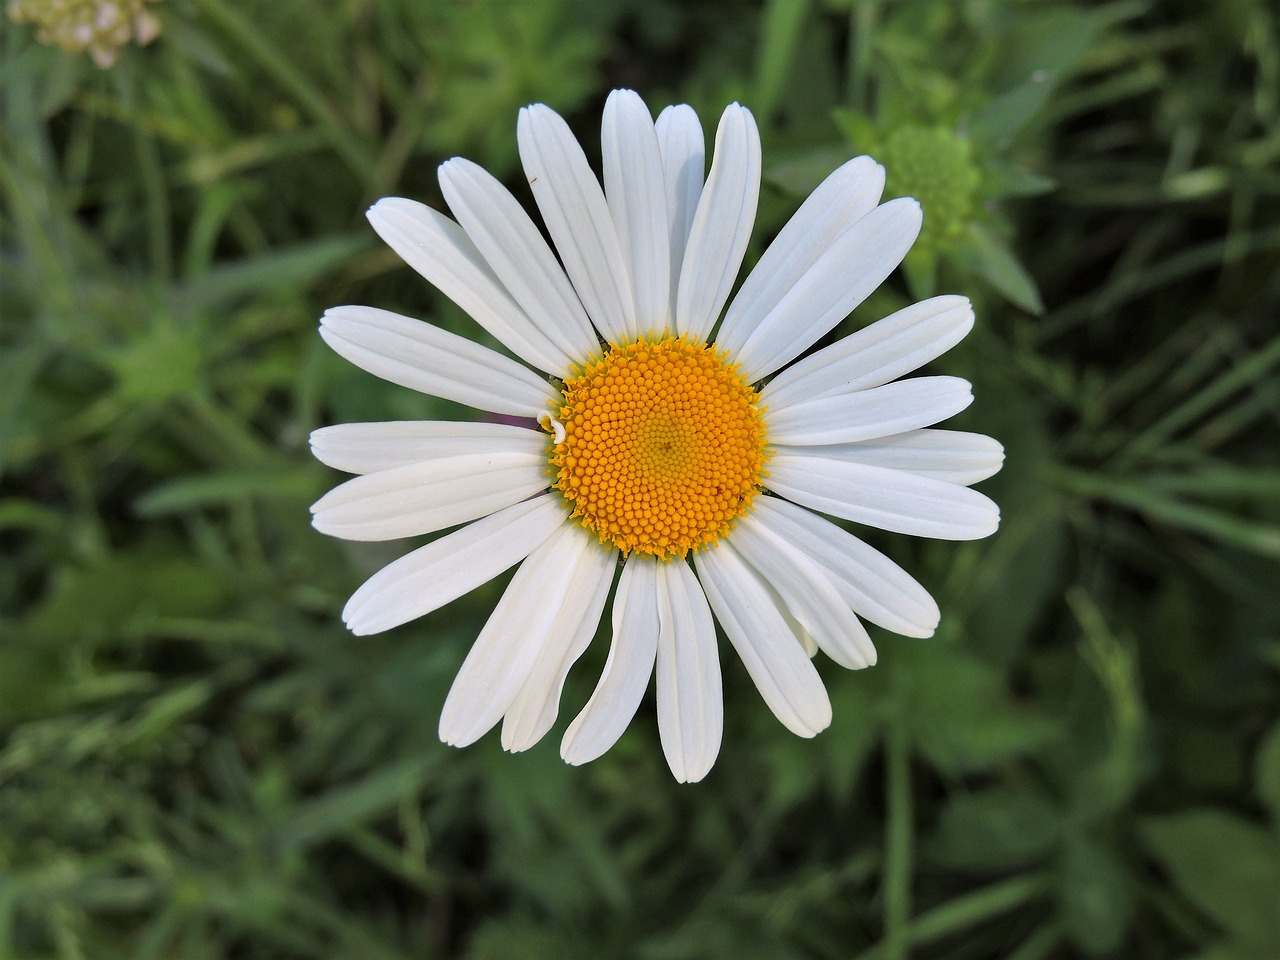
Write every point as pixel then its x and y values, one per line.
pixel 699 465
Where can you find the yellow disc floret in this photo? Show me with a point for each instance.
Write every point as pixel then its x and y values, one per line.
pixel 663 446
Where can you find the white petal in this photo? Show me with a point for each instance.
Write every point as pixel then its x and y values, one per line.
pixel 440 250
pixel 577 217
pixel 807 591
pixel 684 167
pixel 889 499
pixel 457 563
pixel 722 224
pixel 872 584
pixel 370 447
pixel 508 647
pixel 807 643
pixel 627 671
pixel 428 496
pixel 536 604
pixel 637 195
pixel 868 414
pixel 853 265
pixel 783 674
pixel 518 255
pixel 433 361
pixel 690 697
pixel 887 349
pixel 843 198
pixel 951 455
pixel 534 710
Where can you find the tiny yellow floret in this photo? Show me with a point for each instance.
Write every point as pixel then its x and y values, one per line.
pixel 663 446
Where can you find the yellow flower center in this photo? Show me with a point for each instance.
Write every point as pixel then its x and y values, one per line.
pixel 663 446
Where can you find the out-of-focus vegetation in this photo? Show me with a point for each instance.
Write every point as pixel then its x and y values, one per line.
pixel 198 761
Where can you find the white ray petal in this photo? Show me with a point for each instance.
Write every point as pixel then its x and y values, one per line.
pixel 853 265
pixel 868 414
pixel 428 496
pixel 887 349
pixel 807 643
pixel 370 447
pixel 872 584
pixel 690 697
pixel 535 708
pixel 627 670
pixel 514 637
pixel 457 563
pixel 518 255
pixel 776 662
pixel 433 361
pixel 843 198
pixel 722 225
pixel 951 455
pixel 577 217
pixel 684 167
pixel 889 499
pixel 441 252
pixel 806 589
pixel 637 195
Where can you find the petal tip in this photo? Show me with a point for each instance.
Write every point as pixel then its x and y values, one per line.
pixel 571 755
pixel 450 169
pixel 361 627
pixel 906 206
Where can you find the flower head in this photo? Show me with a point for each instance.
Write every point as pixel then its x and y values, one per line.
pixel 700 464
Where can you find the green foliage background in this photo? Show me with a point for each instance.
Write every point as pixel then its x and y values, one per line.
pixel 199 762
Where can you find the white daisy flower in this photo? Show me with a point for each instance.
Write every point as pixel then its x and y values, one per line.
pixel 701 464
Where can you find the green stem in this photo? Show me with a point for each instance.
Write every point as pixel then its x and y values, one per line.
pixel 965 912
pixel 974 908
pixel 899 841
pixel 862 26
pixel 156 204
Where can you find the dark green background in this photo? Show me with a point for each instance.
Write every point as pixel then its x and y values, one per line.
pixel 197 761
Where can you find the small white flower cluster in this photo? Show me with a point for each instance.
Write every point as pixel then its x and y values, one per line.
pixel 102 27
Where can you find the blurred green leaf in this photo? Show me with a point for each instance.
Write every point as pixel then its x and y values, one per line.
pixel 1049 49
pixel 1095 894
pixel 305 263
pixel 1227 867
pixel 329 816
pixel 1268 772
pixel 960 715
pixel 799 175
pixel 1256 537
pixel 100 601
pixel 224 489
pixel 993 261
pixel 998 828
pixel 1013 182
pixel 854 731
pixel 779 35
pixel 508 937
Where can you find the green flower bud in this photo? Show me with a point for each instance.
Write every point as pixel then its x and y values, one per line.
pixel 936 166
